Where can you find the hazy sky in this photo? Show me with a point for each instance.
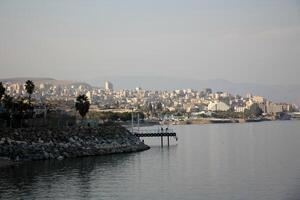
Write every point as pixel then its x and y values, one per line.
pixel 242 41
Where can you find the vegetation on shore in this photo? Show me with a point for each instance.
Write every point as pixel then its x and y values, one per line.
pixel 16 109
pixel 82 105
pixel 253 112
pixel 115 116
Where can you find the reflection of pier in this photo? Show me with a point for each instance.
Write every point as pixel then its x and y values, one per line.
pixel 157 133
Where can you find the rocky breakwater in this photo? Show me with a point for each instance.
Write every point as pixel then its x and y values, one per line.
pixel 44 144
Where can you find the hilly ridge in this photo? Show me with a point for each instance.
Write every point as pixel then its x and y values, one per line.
pixel 276 93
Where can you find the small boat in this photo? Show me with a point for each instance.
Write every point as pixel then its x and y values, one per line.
pixel 221 121
pixel 254 120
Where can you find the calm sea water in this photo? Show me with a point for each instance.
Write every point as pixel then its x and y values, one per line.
pixel 218 161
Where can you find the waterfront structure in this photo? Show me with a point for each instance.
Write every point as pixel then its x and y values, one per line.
pixel 273 108
pixel 156 133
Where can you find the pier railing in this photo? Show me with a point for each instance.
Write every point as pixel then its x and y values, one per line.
pixel 156 133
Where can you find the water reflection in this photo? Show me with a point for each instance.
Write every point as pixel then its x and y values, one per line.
pixel 30 178
pixel 228 162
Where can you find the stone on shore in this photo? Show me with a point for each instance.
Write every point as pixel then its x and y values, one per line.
pixel 43 144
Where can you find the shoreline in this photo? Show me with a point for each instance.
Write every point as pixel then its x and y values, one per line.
pixel 220 121
pixel 45 144
pixel 5 162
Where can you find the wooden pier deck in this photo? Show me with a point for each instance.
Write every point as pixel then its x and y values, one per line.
pixel 156 133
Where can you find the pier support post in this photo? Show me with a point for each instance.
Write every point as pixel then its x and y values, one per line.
pixel 161 141
pixel 168 141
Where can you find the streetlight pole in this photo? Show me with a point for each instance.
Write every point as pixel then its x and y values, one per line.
pixel 138 118
pixel 132 121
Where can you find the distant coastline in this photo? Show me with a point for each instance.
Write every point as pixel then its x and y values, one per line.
pixel 218 121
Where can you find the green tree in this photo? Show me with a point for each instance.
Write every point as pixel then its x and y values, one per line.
pixel 253 111
pixel 29 86
pixel 21 106
pixel 82 105
pixel 2 90
pixel 159 106
pixel 8 103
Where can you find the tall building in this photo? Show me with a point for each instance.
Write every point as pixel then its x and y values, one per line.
pixel 89 96
pixel 109 86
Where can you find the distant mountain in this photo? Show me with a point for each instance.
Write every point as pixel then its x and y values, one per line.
pixel 40 80
pixel 24 79
pixel 276 93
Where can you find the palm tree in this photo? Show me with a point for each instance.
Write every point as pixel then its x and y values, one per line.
pixel 2 90
pixel 20 108
pixel 8 103
pixel 29 86
pixel 82 105
pixel 21 105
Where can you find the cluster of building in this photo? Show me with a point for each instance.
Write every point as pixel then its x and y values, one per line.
pixel 48 90
pixel 178 101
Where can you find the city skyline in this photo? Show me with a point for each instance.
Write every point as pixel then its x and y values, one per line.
pixel 160 99
pixel 189 100
pixel 255 41
pixel 278 93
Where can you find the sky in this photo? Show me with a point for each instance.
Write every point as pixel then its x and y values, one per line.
pixel 255 41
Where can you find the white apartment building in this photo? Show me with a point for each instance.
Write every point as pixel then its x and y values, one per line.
pixel 108 86
pixel 218 106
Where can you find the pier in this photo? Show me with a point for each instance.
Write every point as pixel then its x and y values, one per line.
pixel 160 132
pixel 157 133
